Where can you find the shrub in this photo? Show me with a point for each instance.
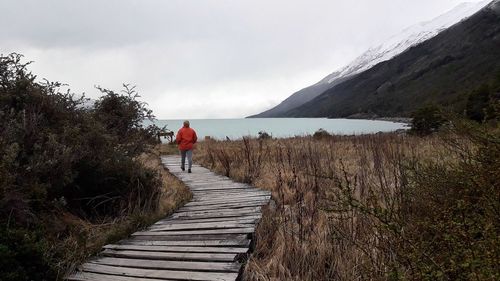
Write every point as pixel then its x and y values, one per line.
pixel 426 120
pixel 58 155
pixel 263 135
pixel 477 103
pixel 453 228
pixel 321 133
pixel 373 207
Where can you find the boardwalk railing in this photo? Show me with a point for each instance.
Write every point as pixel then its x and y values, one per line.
pixel 204 240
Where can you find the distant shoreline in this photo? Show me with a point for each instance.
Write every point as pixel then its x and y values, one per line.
pixel 406 120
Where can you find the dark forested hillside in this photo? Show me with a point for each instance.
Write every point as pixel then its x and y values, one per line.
pixel 443 70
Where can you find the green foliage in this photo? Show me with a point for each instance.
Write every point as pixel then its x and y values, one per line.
pixel 263 135
pixel 57 154
pixel 23 256
pixel 477 102
pixel 453 227
pixel 426 120
pixel 321 133
pixel 123 116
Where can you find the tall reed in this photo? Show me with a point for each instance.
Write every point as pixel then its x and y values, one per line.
pixel 341 202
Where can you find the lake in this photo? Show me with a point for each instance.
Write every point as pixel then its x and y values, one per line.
pixel 280 127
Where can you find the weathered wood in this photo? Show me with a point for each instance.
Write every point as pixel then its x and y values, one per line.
pixel 184 249
pixel 200 241
pixel 91 276
pixel 189 216
pixel 242 219
pixel 227 194
pixel 235 212
pixel 190 243
pixel 217 188
pixel 216 200
pixel 174 265
pixel 202 225
pixel 197 232
pixel 169 255
pixel 191 237
pixel 160 274
pixel 222 206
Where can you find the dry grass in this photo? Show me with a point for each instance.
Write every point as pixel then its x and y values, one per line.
pixel 340 201
pixel 84 238
pixel 175 193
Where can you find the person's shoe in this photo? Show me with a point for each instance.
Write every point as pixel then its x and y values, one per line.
pixel 182 168
pixel 189 170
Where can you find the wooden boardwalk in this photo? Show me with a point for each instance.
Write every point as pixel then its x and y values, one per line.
pixel 204 240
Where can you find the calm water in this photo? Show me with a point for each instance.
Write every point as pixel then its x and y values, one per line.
pixel 280 127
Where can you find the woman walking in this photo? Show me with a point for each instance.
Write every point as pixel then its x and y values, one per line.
pixel 185 138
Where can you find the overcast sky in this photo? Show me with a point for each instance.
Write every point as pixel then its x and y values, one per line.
pixel 201 59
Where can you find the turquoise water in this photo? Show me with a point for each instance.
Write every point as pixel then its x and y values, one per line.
pixel 280 127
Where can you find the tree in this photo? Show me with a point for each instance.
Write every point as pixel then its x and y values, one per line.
pixel 477 103
pixel 427 120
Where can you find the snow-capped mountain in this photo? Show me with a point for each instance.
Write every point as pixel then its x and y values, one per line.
pixel 409 37
pixel 443 70
pixel 392 47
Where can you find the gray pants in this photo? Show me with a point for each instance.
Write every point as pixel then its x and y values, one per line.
pixel 189 154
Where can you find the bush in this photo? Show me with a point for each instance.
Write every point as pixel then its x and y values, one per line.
pixel 263 135
pixel 321 133
pixel 23 256
pixel 58 155
pixel 477 103
pixel 453 228
pixel 427 120
pixel 483 104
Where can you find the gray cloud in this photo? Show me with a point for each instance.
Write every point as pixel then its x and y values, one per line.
pixel 197 59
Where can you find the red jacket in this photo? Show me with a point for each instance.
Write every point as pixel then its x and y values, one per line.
pixel 186 137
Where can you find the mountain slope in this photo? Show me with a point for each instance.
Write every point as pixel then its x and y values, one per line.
pixel 440 70
pixel 392 47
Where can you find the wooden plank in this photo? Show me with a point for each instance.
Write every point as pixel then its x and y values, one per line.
pixel 212 181
pixel 189 216
pixel 169 255
pixel 230 199
pixel 216 214
pixel 160 274
pixel 223 206
pixel 91 276
pixel 246 219
pixel 247 191
pixel 197 232
pixel 221 212
pixel 202 225
pixel 186 222
pixel 227 192
pixel 191 237
pixel 216 201
pixel 218 183
pixel 174 265
pixel 218 188
pixel 198 242
pixel 191 243
pixel 183 249
pixel 201 179
pixel 224 184
pixel 220 204
pixel 244 190
pixel 206 183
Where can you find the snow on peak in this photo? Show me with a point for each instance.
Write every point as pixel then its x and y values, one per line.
pixel 409 37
